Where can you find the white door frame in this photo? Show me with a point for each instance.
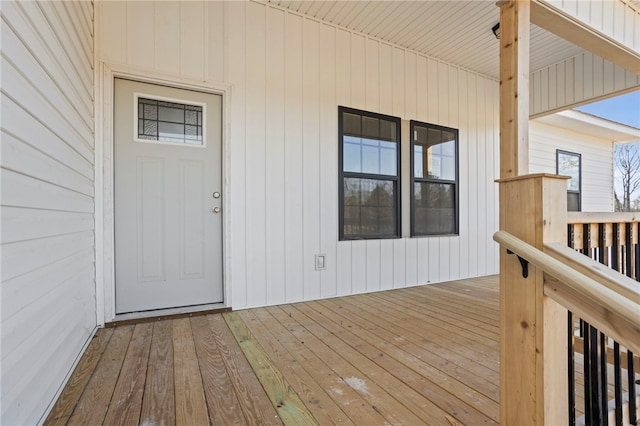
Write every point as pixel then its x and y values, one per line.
pixel 104 208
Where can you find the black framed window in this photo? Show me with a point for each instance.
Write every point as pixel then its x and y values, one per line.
pixel 369 158
pixel 570 164
pixel 434 180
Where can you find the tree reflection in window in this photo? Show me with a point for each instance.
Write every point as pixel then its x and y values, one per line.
pixel 369 153
pixel 570 164
pixel 434 179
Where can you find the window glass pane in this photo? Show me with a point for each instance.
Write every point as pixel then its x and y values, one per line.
pixel 351 124
pixel 569 165
pixel 388 131
pixel 352 154
pixel 369 207
pixel 171 114
pixel 370 157
pixel 169 122
pixel 388 159
pixel 369 145
pixel 434 153
pixel 370 128
pixel 171 131
pixel 434 208
pixel 573 201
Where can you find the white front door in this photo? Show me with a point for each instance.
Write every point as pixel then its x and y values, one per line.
pixel 167 197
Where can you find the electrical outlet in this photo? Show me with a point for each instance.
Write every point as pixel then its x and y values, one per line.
pixel 320 262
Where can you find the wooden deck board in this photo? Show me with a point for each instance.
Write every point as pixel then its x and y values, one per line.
pixel 441 365
pixel 126 402
pixel 439 349
pixel 254 401
pixel 285 400
pixel 384 391
pixel 323 407
pixel 158 403
pixel 354 368
pixel 78 381
pixel 223 404
pixel 441 332
pixel 443 392
pixel 421 355
pixel 96 397
pixel 191 407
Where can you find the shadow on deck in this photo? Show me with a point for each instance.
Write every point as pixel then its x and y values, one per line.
pixel 421 355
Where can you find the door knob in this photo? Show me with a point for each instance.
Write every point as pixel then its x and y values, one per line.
pixel 216 209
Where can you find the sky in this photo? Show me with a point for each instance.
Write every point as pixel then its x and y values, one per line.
pixel 623 109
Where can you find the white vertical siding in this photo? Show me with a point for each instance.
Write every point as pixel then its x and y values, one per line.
pixel 47 206
pixel 288 74
pixel 614 18
pixel 575 81
pixel 597 161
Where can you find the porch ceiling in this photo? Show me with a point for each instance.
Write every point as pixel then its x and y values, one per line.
pixel 458 32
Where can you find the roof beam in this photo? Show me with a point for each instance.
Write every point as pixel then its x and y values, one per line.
pixel 571 29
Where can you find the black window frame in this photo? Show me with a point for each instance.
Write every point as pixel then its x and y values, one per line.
pixel 414 180
pixel 342 174
pixel 579 191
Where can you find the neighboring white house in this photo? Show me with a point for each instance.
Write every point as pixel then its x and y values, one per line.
pixel 587 143
pixel 248 203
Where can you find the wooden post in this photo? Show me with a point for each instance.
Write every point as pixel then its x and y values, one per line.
pixel 533 328
pixel 514 88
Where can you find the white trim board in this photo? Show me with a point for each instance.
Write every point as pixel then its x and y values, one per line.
pixel 105 266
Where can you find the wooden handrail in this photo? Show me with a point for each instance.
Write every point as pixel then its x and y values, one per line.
pixel 609 311
pixel 604 275
pixel 596 217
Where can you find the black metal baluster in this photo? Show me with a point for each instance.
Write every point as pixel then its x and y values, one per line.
pixel 586 238
pixel 631 375
pixel 637 262
pixel 572 373
pixel 596 408
pixel 627 249
pixel 617 374
pixel 588 411
pixel 601 242
pixel 604 394
pixel 614 248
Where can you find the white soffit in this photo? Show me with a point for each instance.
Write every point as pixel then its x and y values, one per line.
pixel 455 31
pixel 588 124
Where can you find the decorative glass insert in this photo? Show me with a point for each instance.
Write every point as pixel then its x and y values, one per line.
pixel 169 122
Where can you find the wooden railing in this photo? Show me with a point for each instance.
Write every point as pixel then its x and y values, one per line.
pixel 541 280
pixel 609 238
pixel 612 305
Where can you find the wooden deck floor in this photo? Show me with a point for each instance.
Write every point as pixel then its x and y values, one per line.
pixel 422 355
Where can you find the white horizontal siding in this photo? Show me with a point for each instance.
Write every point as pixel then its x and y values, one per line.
pixel 47 205
pixel 597 161
pixel 576 81
pixel 288 75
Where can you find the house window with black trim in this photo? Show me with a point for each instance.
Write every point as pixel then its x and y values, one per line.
pixel 434 180
pixel 369 155
pixel 570 164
